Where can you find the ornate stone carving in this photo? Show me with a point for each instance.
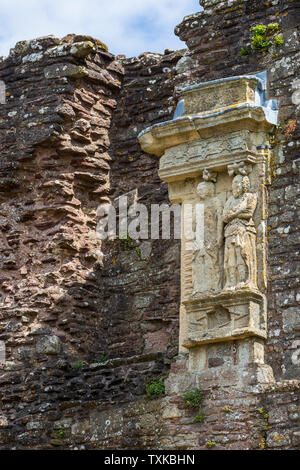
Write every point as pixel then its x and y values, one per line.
pixel 224 317
pixel 206 262
pixel 209 151
pixel 219 95
pixel 240 236
pixel 209 175
pixel 215 157
pixel 239 168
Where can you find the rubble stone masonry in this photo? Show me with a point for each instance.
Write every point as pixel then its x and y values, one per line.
pixel 86 322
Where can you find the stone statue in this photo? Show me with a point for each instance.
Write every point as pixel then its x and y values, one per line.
pixel 240 235
pixel 206 261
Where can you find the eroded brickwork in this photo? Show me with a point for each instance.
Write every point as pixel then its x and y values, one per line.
pixel 141 280
pixel 64 310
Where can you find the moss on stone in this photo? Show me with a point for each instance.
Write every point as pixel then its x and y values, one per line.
pixel 193 398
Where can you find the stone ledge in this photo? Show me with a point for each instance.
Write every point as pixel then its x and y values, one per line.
pixel 157 138
pixel 112 363
pixel 201 310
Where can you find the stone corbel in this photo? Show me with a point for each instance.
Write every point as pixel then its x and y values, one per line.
pixel 209 175
pixel 239 168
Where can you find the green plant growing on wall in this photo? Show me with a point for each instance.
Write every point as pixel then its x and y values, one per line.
pixel 101 360
pixel 262 443
pixel 273 27
pixel 263 432
pixel 259 39
pixel 259 29
pixel 193 398
pixel 199 418
pixel 260 43
pixel 60 433
pixel 244 51
pixel 210 444
pixel 265 417
pixel 77 365
pixel 154 386
pixel 275 135
pixel 126 241
pixel 138 252
pixel 227 409
pixel 278 40
pixel 263 37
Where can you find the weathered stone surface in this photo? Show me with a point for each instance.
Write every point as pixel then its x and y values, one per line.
pixel 65 70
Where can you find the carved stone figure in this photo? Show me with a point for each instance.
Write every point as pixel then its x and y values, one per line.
pixel 240 235
pixel 206 262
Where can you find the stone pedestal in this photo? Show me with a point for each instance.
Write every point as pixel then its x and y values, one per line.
pixel 225 316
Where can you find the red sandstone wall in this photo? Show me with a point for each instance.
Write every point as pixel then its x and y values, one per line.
pixel 214 38
pixel 54 174
pixel 142 281
pixel 65 309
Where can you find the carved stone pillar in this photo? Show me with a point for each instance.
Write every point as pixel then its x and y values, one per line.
pixel 215 158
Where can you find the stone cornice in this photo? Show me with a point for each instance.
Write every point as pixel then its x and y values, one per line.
pixel 158 138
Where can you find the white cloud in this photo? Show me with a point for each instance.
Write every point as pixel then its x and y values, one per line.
pixel 127 26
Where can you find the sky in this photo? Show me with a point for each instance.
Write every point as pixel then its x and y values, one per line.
pixel 127 27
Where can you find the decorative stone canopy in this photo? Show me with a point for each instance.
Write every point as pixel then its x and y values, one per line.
pixel 237 102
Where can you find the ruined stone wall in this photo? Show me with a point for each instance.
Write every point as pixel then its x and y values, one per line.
pixel 86 322
pixel 141 278
pixel 54 174
pixel 79 328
